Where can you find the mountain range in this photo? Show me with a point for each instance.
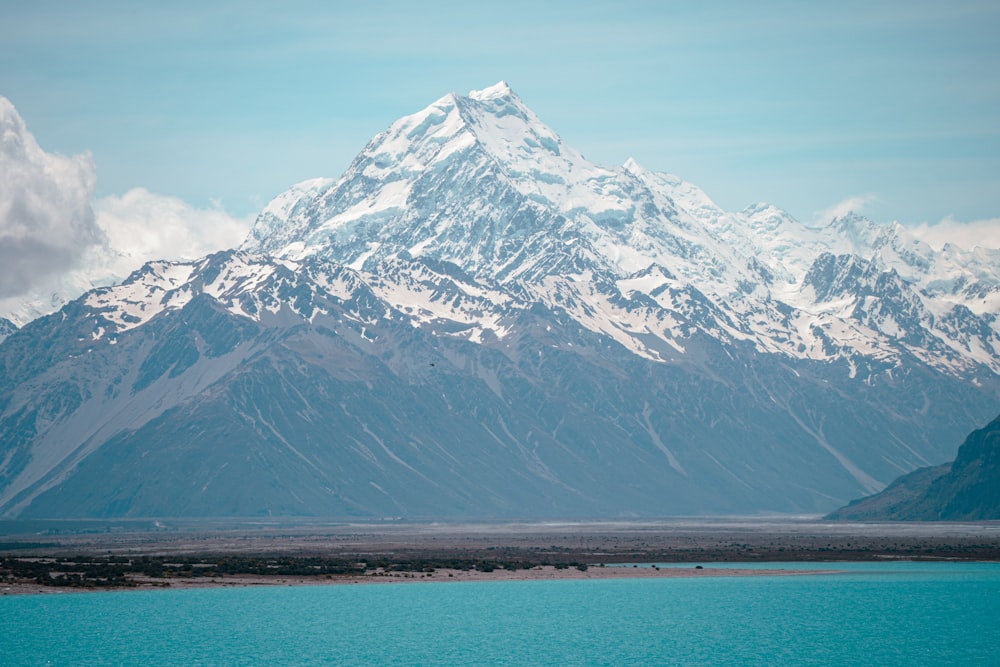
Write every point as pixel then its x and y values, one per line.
pixel 474 321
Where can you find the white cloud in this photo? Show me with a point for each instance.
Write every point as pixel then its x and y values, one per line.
pixel 979 233
pixel 141 226
pixel 56 241
pixel 851 204
pixel 134 228
pixel 47 223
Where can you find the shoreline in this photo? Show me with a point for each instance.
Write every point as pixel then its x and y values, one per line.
pixel 442 575
pixel 46 558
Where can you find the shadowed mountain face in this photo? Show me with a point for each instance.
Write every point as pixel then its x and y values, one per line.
pixel 967 489
pixel 476 322
pixel 6 328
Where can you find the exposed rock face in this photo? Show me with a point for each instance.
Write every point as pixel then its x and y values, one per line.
pixel 474 322
pixel 6 328
pixel 966 490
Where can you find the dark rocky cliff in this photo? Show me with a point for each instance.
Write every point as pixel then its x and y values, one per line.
pixel 966 490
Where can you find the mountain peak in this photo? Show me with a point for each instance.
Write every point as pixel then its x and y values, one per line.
pixel 401 325
pixel 500 89
pixel 452 114
pixel 634 167
pixel 489 141
pixel 482 182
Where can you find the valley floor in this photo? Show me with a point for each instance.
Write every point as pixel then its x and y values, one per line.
pixel 63 556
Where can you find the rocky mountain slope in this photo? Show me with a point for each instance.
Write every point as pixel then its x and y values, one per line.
pixel 6 328
pixel 475 321
pixel 968 489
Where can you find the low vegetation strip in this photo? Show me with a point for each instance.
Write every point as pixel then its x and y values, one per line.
pixel 125 572
pixel 318 554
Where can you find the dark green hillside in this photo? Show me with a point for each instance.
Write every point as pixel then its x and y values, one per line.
pixel 966 490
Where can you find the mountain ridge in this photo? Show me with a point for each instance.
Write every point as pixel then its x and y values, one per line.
pixel 491 326
pixel 619 223
pixel 967 489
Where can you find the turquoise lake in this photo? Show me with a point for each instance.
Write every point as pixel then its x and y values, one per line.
pixel 896 613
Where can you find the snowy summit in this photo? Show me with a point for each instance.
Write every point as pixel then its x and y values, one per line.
pixel 482 182
pixel 474 321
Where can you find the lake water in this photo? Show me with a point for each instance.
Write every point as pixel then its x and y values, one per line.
pixel 872 614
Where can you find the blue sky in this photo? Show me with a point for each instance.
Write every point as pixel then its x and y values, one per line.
pixel 805 105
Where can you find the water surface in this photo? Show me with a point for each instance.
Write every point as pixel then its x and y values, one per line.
pixel 871 614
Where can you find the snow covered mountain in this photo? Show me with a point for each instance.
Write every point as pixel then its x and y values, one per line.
pixel 481 182
pixel 475 321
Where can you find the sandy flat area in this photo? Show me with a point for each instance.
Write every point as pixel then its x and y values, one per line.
pixel 540 573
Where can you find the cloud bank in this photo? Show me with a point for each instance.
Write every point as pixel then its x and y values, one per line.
pixel 47 223
pixel 57 241
pixel 980 233
pixel 141 226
